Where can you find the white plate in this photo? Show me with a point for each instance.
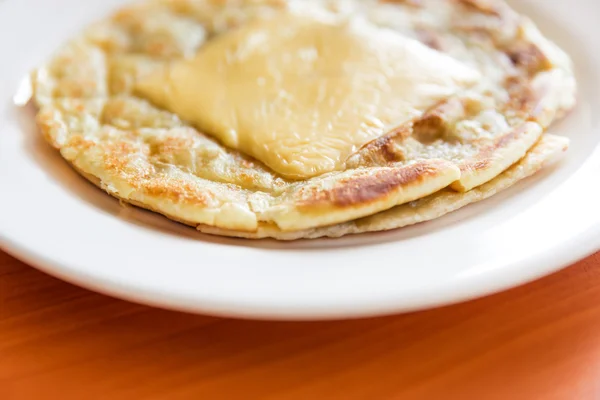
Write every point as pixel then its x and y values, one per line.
pixel 55 220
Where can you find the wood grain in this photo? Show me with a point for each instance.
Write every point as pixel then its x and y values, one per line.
pixel 540 341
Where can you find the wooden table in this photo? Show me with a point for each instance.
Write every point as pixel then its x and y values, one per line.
pixel 540 341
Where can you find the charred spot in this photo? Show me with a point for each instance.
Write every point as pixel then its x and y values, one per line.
pixel 529 58
pixel 385 149
pixel 437 122
pixel 366 189
pixel 430 39
pixel 429 128
pixel 488 7
pixel 410 3
pixel 390 152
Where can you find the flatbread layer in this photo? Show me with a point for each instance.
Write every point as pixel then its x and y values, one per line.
pixel 547 150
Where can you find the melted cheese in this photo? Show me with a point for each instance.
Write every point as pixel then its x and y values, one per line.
pixel 302 94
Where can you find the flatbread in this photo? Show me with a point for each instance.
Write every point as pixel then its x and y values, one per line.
pixel 546 151
pixel 146 156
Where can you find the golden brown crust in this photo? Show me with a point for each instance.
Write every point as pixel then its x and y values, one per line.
pixel 438 122
pixel 411 3
pixel 368 188
pixel 498 156
pixel 529 57
pixel 482 160
pixel 384 150
pixel 490 7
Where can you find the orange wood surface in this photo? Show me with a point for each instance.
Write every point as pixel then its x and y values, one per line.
pixel 539 341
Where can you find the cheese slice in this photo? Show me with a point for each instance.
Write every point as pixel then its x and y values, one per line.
pixel 302 93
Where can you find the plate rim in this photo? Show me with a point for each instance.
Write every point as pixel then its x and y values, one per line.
pixel 469 289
